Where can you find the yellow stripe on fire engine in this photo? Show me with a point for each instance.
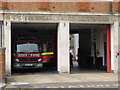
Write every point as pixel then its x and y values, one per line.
pixel 47 53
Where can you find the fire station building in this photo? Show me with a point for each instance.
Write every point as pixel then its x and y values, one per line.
pixel 96 23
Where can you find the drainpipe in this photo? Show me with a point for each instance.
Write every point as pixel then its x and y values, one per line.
pixel 110 7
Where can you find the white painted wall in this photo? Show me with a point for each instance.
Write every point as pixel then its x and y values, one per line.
pixel 112 47
pixel 98 35
pixel 76 45
pixel 92 42
pixel 116 45
pixel 72 40
pixel 0 34
pixel 119 47
pixel 63 47
pixel 7 41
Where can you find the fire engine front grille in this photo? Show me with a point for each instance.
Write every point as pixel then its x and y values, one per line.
pixel 28 59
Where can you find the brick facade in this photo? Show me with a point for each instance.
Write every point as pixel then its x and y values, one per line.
pixel 2 63
pixel 105 7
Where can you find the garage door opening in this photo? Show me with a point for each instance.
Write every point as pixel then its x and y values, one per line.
pixel 34 47
pixel 91 52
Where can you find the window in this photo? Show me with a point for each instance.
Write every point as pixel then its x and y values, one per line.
pixel 27 47
pixel 47 47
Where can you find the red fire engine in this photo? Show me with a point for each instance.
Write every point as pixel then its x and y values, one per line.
pixel 33 54
pixel 28 54
pixel 48 54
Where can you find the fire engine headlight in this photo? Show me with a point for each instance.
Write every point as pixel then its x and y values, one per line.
pixel 39 59
pixel 17 60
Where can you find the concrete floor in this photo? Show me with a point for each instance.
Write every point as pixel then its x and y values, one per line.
pixel 56 78
pixel 77 75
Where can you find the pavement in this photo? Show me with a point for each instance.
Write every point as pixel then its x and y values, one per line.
pixel 57 78
pixel 2 85
pixel 106 84
pixel 81 78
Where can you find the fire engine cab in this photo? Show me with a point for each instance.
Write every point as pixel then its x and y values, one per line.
pixel 30 53
pixel 27 54
pixel 48 54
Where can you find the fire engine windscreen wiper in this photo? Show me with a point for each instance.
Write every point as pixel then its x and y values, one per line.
pixel 23 51
pixel 34 52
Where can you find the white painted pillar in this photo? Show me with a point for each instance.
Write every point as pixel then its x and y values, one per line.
pixel 116 46
pixel 63 47
pixel 119 47
pixel 102 47
pixel 0 34
pixel 7 45
pixel 92 40
pixel 76 45
pixel 112 47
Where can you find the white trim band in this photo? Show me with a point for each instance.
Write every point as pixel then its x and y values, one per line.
pixel 55 13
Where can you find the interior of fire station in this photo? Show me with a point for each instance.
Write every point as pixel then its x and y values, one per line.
pixel 88 44
pixel 44 35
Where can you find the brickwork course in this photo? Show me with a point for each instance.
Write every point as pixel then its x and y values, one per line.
pixel 87 7
pixel 2 67
pixel 2 63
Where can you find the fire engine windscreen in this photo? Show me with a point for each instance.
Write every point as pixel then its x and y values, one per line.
pixel 28 47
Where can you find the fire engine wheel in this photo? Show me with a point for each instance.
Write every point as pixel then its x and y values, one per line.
pixel 17 70
pixel 50 65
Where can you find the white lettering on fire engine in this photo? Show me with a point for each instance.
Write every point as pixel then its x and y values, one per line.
pixel 34 55
pixel 28 55
pixel 22 55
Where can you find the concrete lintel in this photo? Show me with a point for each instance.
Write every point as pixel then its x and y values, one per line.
pixel 92 23
pixel 57 18
pixel 57 13
pixel 58 22
pixel 34 22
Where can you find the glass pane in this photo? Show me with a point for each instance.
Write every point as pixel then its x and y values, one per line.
pixel 40 47
pixel 27 47
pixel 47 47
